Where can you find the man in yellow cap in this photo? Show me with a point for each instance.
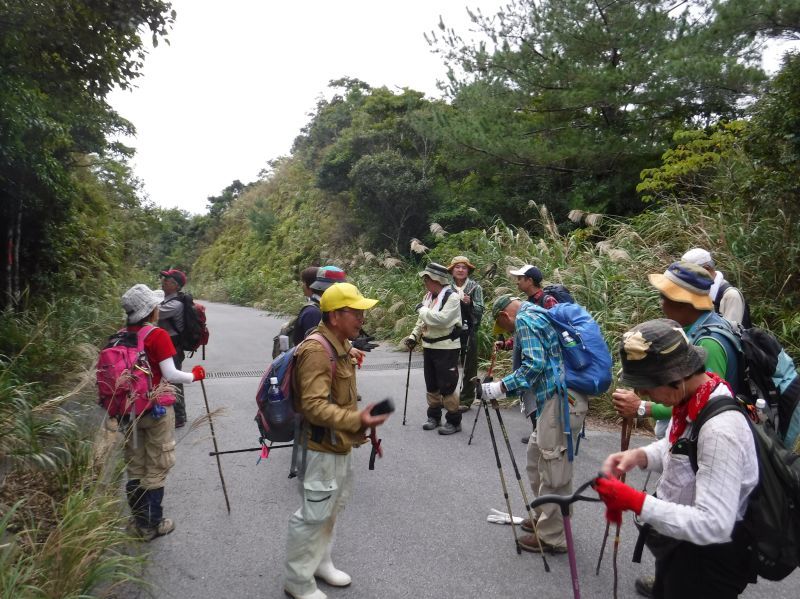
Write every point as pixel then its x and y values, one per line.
pixel 327 402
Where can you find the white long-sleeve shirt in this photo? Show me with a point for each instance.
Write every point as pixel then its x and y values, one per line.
pixel 437 320
pixel 704 508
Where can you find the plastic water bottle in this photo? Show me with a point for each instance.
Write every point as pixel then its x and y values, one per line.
pixel 761 409
pixel 277 406
pixel 569 340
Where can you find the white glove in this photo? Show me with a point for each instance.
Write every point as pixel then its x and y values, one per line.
pixel 492 390
pixel 498 517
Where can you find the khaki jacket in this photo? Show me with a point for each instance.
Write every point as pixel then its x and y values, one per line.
pixel 312 390
pixel 433 322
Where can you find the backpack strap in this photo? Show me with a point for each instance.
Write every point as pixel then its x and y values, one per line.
pixel 456 332
pixel 715 406
pixel 720 292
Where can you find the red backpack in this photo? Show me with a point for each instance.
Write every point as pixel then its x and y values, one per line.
pixel 124 379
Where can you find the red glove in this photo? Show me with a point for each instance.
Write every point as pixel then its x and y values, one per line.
pixel 199 373
pixel 618 497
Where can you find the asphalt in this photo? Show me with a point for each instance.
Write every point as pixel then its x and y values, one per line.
pixel 416 526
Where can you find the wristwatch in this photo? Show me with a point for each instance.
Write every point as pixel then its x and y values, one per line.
pixel 642 409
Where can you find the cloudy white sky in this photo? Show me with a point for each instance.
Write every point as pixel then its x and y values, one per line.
pixel 239 79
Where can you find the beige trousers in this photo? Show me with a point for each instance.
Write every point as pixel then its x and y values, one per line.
pixel 549 469
pixel 154 453
pixel 326 487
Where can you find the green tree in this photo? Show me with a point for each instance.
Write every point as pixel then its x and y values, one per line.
pixel 58 61
pixel 578 96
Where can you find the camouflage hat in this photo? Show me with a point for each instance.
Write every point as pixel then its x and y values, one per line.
pixel 657 353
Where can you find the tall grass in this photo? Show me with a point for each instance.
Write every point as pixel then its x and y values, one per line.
pixel 60 515
pixel 605 266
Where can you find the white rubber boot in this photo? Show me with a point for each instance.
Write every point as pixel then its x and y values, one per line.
pixel 328 572
pixel 317 594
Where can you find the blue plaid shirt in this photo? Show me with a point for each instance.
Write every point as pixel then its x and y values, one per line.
pixel 537 354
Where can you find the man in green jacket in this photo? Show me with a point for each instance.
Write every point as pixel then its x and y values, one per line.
pixel 335 425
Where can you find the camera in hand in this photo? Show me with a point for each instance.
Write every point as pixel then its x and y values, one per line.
pixel 385 406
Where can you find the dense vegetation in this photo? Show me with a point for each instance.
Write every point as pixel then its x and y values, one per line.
pixel 655 115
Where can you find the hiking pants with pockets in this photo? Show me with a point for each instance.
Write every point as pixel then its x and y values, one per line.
pixel 549 469
pixel 154 454
pixel 326 487
pixel 440 367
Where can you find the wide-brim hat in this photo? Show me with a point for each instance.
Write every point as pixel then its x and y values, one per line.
pixel 437 272
pixel 685 283
pixel 344 295
pixel 657 353
pixel 327 276
pixel 461 260
pixel 139 301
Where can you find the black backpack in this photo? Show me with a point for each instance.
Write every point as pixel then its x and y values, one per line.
pixel 765 371
pixel 772 519
pixel 194 333
pixel 560 293
pixel 746 321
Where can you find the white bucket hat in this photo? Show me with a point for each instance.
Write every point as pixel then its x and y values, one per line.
pixel 139 301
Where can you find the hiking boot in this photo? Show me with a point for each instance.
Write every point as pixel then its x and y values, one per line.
pixel 529 543
pixel 164 527
pixel 316 594
pixel 527 526
pixel 449 428
pixel 525 439
pixel 644 585
pixel 430 425
pixel 464 407
pixel 180 423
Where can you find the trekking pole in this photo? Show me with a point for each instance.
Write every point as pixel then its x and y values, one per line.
pixel 563 502
pixel 487 378
pixel 485 405
pixel 625 439
pixel 408 377
pixel 216 449
pixel 259 448
pixel 519 480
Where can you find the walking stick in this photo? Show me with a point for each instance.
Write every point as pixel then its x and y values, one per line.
pixel 500 469
pixel 487 378
pixel 216 449
pixel 408 376
pixel 625 439
pixel 519 480
pixel 563 502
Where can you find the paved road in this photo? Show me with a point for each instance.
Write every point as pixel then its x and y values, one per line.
pixel 417 524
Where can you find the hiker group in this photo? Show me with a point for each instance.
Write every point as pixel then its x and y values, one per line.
pixel 683 370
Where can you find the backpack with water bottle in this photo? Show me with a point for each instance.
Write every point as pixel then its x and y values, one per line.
pixel 587 361
pixel 277 419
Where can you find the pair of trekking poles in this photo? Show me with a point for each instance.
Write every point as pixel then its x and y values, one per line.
pixel 563 502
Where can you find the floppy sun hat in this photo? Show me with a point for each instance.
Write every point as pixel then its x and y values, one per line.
pixel 437 272
pixel 461 260
pixel 344 295
pixel 139 301
pixel 686 283
pixel 657 353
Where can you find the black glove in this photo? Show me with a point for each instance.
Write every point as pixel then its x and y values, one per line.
pixel 364 343
pixel 410 343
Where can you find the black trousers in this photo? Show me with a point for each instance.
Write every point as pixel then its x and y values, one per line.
pixel 721 571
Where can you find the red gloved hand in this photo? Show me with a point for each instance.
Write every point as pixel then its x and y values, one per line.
pixel 618 497
pixel 199 373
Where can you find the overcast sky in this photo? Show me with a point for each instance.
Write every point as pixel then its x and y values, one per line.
pixel 239 78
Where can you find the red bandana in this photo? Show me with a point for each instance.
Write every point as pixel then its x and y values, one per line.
pixel 691 408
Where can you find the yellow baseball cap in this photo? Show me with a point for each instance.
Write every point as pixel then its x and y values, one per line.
pixel 344 295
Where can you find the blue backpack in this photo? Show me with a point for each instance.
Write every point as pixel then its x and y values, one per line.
pixel 587 361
